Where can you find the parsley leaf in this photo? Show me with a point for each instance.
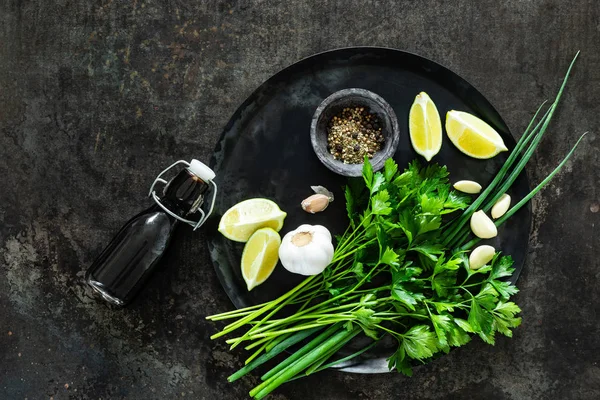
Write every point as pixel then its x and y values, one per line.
pixel 479 318
pixel 504 317
pixel 389 257
pixel 400 362
pixel 380 204
pixel 441 325
pixel 419 342
pixel 367 173
pixel 406 297
pixel 349 205
pixel 378 181
pixel 390 168
pixel 367 321
pixel 501 267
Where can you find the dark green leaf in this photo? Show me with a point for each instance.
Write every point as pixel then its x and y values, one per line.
pixel 451 265
pixel 390 168
pixel 442 306
pixel 479 318
pixel 419 342
pixel 406 297
pixel 400 362
pixel 382 238
pixel 431 205
pixel 380 203
pixel 427 223
pixel 407 224
pixel 457 336
pixel 389 257
pixel 431 251
pixel 501 267
pixel 367 173
pixel 441 325
pixel 405 274
pixel 378 180
pixel 433 172
pixel 505 289
pixel 464 325
pixel 487 337
pixel 483 270
pixel 365 317
pixel 442 282
pixel 368 299
pixel 505 317
pixel 349 204
pixel 358 270
pixel 404 180
pixel 508 309
pixel 456 201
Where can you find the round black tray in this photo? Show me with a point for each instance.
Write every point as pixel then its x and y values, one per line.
pixel 265 151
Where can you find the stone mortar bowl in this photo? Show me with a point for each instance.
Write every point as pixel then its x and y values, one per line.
pixel 332 106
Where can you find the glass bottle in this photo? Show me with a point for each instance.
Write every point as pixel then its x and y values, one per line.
pixel 128 260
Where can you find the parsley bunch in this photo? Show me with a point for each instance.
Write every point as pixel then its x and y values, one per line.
pixel 391 276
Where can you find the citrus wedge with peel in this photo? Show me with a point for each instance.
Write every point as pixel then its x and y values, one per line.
pixel 425 126
pixel 473 136
pixel 243 219
pixel 260 256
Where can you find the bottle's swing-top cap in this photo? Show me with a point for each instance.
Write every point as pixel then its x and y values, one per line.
pixel 201 170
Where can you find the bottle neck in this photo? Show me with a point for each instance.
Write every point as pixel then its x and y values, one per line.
pixel 184 194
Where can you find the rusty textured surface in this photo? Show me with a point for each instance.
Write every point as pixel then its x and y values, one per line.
pixel 96 96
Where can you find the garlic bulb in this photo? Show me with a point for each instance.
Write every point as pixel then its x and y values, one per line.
pixel 482 226
pixel 501 206
pixel 481 256
pixel 307 250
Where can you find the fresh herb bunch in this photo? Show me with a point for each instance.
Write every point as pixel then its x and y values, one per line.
pixel 391 275
pixel 400 270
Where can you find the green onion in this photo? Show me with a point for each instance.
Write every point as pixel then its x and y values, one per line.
pixel 275 351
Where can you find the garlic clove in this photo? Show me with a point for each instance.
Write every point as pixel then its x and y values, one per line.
pixel 315 203
pixel 323 190
pixel 501 206
pixel 481 256
pixel 470 187
pixel 482 226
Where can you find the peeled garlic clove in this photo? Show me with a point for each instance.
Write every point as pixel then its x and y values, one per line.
pixel 481 256
pixel 315 203
pixel 501 206
pixel 470 187
pixel 482 226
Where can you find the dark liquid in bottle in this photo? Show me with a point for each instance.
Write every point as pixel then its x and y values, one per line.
pixel 129 259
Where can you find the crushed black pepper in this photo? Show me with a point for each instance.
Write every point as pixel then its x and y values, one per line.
pixel 354 133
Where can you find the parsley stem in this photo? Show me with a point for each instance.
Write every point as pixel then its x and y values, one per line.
pixel 267 306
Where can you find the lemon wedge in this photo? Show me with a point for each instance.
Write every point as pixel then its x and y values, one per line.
pixel 243 219
pixel 473 136
pixel 425 126
pixel 260 256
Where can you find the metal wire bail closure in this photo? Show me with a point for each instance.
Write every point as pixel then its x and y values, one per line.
pixel 203 216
